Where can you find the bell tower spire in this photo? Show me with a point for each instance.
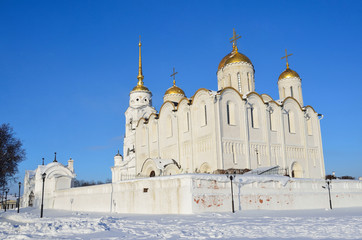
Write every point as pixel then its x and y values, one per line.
pixel 140 76
pixel 140 86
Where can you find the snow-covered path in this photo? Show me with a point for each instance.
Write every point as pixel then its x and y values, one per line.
pixel 307 224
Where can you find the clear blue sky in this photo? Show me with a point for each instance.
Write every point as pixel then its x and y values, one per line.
pixel 67 67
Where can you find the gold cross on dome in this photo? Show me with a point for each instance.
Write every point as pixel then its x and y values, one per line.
pixel 173 75
pixel 286 57
pixel 234 38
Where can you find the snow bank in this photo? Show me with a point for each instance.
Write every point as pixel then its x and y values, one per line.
pixel 316 224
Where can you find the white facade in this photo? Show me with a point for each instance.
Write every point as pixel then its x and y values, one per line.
pixel 232 128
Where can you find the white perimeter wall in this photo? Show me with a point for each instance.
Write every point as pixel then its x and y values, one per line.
pixel 195 193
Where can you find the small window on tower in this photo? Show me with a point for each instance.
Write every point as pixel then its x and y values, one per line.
pixel 239 82
pixel 283 92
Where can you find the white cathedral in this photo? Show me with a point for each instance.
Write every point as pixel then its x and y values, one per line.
pixel 231 128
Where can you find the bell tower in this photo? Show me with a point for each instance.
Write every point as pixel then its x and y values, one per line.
pixel 140 106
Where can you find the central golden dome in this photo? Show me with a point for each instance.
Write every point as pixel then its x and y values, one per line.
pixel 174 90
pixel 234 57
pixel 288 73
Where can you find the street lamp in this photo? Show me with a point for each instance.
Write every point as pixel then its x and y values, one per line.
pixel 2 198
pixel 42 195
pixel 19 197
pixel 231 177
pixel 6 197
pixel 329 191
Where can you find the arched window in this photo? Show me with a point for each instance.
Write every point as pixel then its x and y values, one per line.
pixel 283 92
pixel 291 91
pixel 291 122
pixel 272 120
pixel 254 117
pixel 239 82
pixel 203 115
pixel 230 113
pixel 248 79
pixel 187 122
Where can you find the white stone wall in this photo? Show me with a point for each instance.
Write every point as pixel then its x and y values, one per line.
pixel 196 193
pixel 154 196
pixel 272 194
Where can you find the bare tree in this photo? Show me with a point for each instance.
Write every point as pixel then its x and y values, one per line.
pixel 11 154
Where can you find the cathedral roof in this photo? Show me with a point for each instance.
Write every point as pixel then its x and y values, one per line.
pixel 234 56
pixel 288 73
pixel 175 90
pixel 140 87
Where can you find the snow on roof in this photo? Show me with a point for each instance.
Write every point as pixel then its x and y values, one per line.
pixel 162 163
pixel 263 170
pixel 44 168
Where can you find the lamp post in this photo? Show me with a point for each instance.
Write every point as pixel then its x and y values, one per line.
pixel 231 177
pixel 328 181
pixel 19 197
pixel 329 193
pixel 6 197
pixel 42 196
pixel 2 199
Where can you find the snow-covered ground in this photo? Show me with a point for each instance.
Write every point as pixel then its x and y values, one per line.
pixel 303 224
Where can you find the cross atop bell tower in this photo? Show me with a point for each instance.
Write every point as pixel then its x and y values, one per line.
pixel 234 39
pixel 286 57
pixel 173 75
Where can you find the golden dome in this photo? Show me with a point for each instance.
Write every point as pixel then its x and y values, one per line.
pixel 233 57
pixel 222 63
pixel 288 73
pixel 140 88
pixel 174 90
pixel 238 57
